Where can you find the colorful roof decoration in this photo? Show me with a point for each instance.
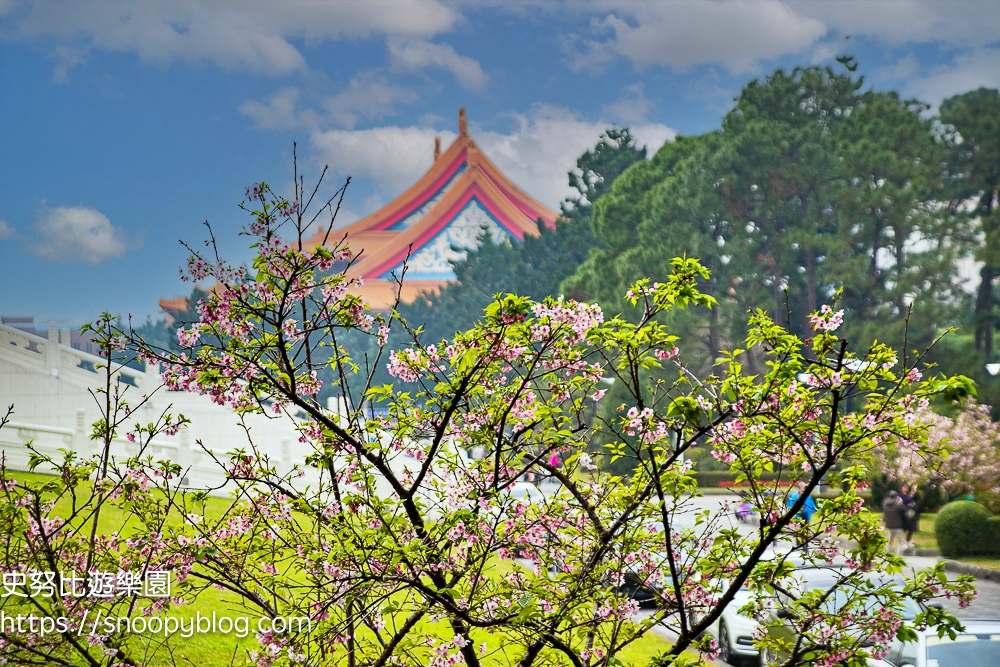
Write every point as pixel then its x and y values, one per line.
pixel 433 224
pixel 436 220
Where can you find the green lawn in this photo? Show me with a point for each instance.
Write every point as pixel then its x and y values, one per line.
pixel 112 519
pixel 925 539
pixel 211 650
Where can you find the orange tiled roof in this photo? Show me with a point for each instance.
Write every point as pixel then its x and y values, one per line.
pixel 432 224
pixel 173 305
pixel 462 190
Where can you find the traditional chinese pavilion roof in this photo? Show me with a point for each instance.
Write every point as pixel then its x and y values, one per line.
pixel 436 220
pixel 433 223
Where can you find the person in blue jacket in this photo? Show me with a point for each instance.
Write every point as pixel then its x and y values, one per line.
pixel 809 508
pixel 807 511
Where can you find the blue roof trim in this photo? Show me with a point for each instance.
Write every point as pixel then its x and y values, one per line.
pixel 404 224
pixel 449 275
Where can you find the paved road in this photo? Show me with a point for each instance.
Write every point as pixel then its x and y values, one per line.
pixel 987 602
pixel 986 605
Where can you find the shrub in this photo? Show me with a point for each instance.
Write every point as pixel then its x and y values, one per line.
pixel 966 528
pixel 991 535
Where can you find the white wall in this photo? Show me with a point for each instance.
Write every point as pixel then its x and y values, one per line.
pixel 54 405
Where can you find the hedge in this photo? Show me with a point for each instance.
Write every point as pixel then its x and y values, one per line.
pixel 966 528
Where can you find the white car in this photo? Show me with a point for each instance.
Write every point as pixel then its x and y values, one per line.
pixel 978 646
pixel 734 632
pixel 830 579
pixel 527 493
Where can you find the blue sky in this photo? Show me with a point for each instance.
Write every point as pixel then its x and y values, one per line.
pixel 126 125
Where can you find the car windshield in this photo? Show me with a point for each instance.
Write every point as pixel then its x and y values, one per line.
pixel 836 601
pixel 966 650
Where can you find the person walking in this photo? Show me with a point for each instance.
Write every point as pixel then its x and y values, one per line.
pixel 809 508
pixel 805 514
pixel 908 496
pixel 892 516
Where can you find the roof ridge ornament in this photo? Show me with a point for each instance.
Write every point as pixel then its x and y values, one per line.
pixel 463 130
pixel 437 148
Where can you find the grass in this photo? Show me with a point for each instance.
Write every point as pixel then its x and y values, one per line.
pixel 925 539
pixel 982 561
pixel 211 650
pixel 200 649
pixel 113 519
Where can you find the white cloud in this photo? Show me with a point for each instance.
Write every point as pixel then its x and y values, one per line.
pixel 980 67
pixel 632 107
pixel 736 34
pixel 536 154
pixel 254 35
pixel 419 54
pixel 545 143
pixel 901 70
pixel 962 23
pixel 968 27
pixel 67 57
pixel 368 96
pixel 278 113
pixel 78 234
pixel 395 157
pixel 740 34
pixel 6 231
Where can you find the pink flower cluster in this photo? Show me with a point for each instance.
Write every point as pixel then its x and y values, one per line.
pixel 826 319
pixel 580 317
pixel 645 424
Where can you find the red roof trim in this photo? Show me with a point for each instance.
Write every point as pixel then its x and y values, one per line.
pixel 473 192
pixel 517 199
pixel 425 196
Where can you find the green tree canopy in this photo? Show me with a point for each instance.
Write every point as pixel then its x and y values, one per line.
pixel 811 183
pixel 975 117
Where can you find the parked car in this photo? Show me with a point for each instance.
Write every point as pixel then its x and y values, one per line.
pixel 823 578
pixel 643 585
pixel 527 493
pixel 634 587
pixel 734 632
pixel 978 646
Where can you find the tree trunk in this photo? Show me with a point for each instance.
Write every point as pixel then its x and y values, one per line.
pixel 984 311
pixel 873 286
pixel 713 323
pixel 811 281
pixel 984 299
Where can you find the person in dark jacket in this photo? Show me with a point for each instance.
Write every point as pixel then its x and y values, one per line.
pixel 893 515
pixel 908 494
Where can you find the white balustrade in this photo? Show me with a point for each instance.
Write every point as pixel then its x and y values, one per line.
pixel 53 387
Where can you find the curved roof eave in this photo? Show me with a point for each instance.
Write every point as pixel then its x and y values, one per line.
pixel 471 183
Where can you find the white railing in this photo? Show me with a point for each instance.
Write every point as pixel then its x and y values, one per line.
pixel 50 378
pixel 59 359
pixel 19 441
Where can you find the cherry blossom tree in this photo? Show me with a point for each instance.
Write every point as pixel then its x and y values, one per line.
pixel 403 551
pixel 961 454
